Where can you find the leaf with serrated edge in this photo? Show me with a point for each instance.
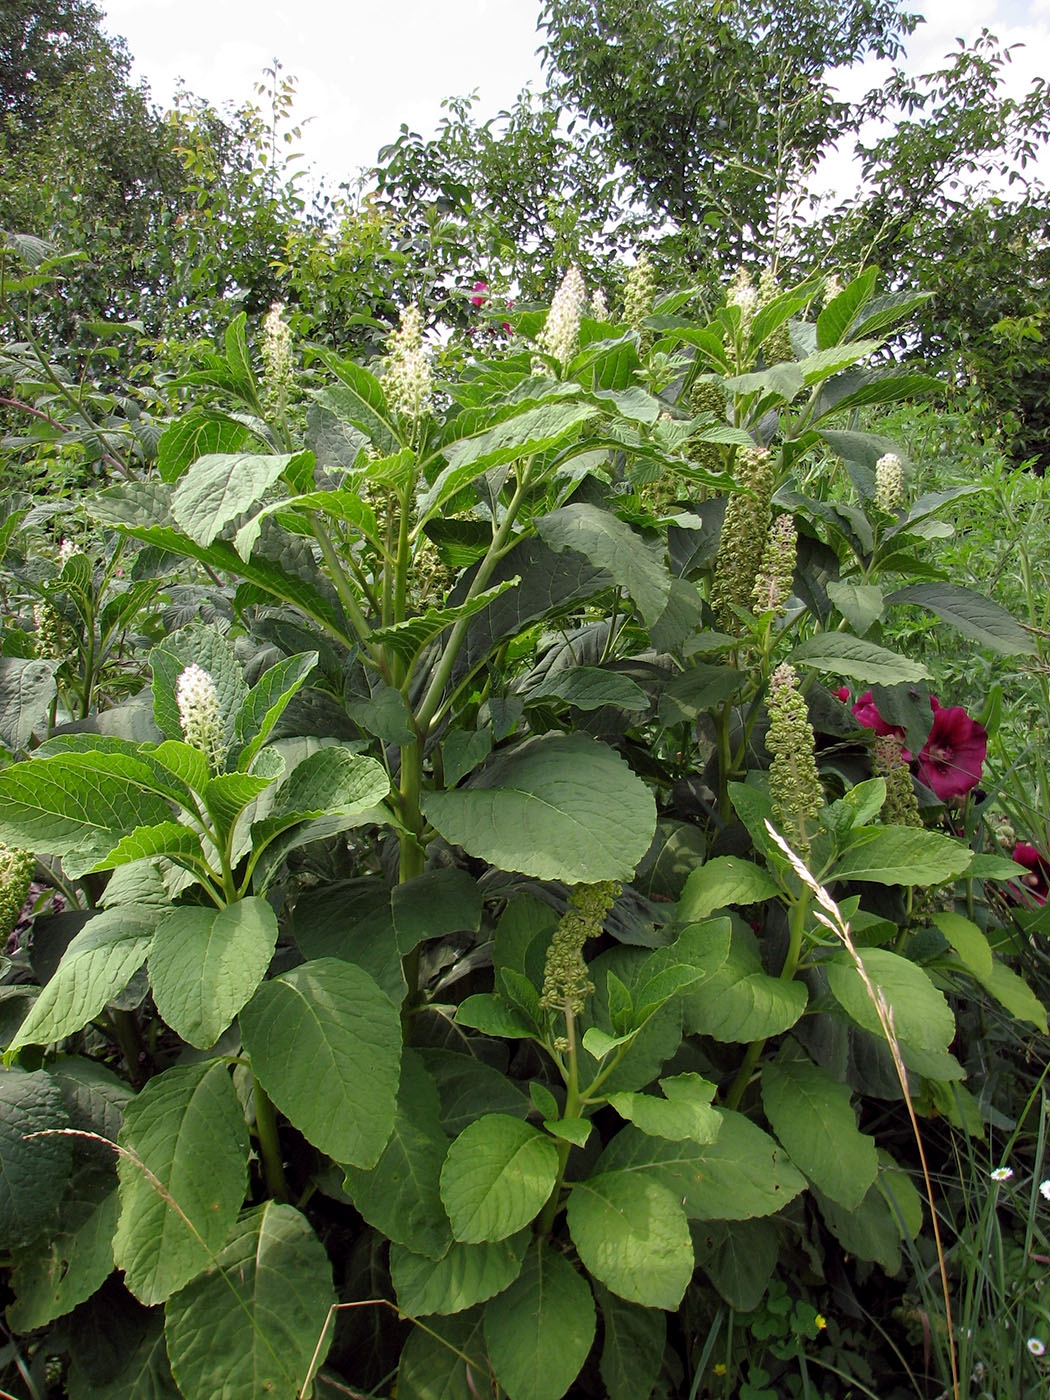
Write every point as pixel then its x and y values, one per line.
pixel 540 1329
pixel 98 963
pixel 183 1176
pixel 250 1325
pixel 205 963
pixel 632 1234
pixel 325 1042
pixel 35 1153
pixel 497 1176
pixel 267 700
pixel 221 486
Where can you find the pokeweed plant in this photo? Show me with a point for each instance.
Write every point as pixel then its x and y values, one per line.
pixel 475 983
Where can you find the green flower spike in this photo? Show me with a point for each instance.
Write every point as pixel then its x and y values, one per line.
pixel 566 985
pixel 794 782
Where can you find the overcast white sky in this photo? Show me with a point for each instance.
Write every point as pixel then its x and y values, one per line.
pixel 363 67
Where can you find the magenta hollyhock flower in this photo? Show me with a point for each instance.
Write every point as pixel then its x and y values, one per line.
pixel 866 711
pixel 1036 882
pixel 950 760
pixel 841 692
pixel 479 299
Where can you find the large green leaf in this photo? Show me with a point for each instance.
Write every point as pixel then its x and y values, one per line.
pixel 196 435
pixel 558 807
pixel 538 429
pixel 738 1257
pixel 874 1230
pixel 207 648
pixel 632 1234
pixel 813 1117
pixel 633 1347
pixel 900 855
pixel 359 399
pixel 742 1174
pixel 841 311
pixel 251 1325
pixel 62 1269
pixel 496 1178
pixel 1014 993
pixel 540 1329
pixel 589 688
pixel 465 1275
pixel 740 1001
pixel 205 963
pixel 183 1175
pixel 446 1361
pixel 434 905
pixel 331 780
pixel 76 805
pixel 325 1042
pixel 130 1360
pixel 611 544
pixel 98 963
pixel 723 881
pixel 856 659
pixel 400 1195
pixel 27 688
pixel 921 1016
pixel 219 487
pixel 975 616
pixel 267 700
pixel 35 1154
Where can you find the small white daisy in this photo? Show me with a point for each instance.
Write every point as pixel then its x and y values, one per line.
pixel 1036 1346
pixel 1002 1173
pixel 1044 1189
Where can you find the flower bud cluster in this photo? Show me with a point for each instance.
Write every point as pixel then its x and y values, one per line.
pixel 776 573
pixel 794 783
pixel 16 872
pixel 560 336
pixel 639 293
pixel 777 345
pixel 408 382
pixel 599 306
pixel 744 532
pixel 276 351
pixel 50 633
pixel 743 294
pixel 889 483
pixel 565 981
pixel 66 550
pixel 198 704
pixel 901 807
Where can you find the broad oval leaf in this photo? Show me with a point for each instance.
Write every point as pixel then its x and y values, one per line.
pixel 539 1330
pixel 920 1014
pixel 972 614
pixel 558 807
pixel 813 1117
pixel 35 1168
pixel 465 1275
pixel 902 855
pixel 252 1324
pixel 856 659
pixel 183 1175
pixel 497 1176
pixel 632 1235
pixel 204 964
pixel 325 1042
pixel 222 485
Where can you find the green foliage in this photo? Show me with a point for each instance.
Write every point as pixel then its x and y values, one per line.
pixel 424 893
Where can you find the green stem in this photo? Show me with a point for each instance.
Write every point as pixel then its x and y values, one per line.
pixel 341 582
pixel 269 1143
pixel 797 929
pixel 547 1217
pixel 129 1038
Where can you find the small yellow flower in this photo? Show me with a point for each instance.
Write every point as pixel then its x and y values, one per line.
pixel 720 1369
pixel 821 1322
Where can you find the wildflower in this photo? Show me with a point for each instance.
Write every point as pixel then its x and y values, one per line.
pixel 743 294
pixel 832 287
pixel 776 573
pixel 599 306
pixel 565 981
pixel 1044 1190
pixel 719 1368
pixel 867 712
pixel 1036 1346
pixel 1037 881
pixel 276 351
pixel 1002 1173
pixel 479 298
pixel 50 632
pixel 794 783
pixel 950 760
pixel 408 381
pixel 889 483
pixel 16 872
pixel 820 1322
pixel 66 550
pixel 744 533
pixel 842 692
pixel 198 704
pixel 560 335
